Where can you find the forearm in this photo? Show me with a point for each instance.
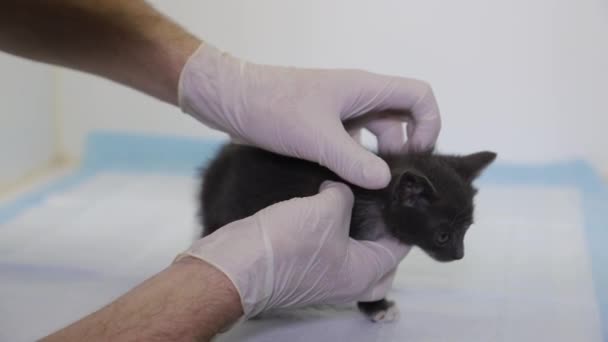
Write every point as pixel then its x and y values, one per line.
pixel 126 41
pixel 188 301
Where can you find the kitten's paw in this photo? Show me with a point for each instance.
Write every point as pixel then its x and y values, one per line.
pixel 391 314
pixel 382 311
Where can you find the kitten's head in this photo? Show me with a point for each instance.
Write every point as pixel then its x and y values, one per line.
pixel 432 195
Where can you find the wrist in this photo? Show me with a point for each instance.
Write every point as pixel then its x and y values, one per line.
pixel 220 305
pixel 243 261
pixel 174 47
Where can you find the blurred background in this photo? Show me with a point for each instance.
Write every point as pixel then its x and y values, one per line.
pixel 527 79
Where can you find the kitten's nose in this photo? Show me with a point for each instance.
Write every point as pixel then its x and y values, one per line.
pixel 459 254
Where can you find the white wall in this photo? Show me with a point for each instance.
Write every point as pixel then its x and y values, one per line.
pixel 525 78
pixel 26 117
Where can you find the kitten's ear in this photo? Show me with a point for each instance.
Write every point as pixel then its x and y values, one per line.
pixel 469 167
pixel 414 190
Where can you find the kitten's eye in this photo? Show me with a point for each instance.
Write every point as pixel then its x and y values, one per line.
pixel 442 238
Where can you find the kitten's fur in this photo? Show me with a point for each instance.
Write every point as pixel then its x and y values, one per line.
pixel 428 203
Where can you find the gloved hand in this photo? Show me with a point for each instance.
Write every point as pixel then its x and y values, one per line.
pixel 299 112
pixel 298 253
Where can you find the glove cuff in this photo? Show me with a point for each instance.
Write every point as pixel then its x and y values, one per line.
pixel 205 87
pixel 250 270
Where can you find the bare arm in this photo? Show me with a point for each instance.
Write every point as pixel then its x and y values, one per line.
pixel 126 41
pixel 188 301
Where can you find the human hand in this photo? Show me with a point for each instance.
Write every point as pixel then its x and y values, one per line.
pixel 298 252
pixel 299 112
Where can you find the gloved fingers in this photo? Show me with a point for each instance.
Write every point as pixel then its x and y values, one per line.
pixel 389 133
pixel 414 97
pixel 339 152
pixel 422 134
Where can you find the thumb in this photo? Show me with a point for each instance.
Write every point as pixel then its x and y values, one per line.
pixel 351 161
pixel 335 196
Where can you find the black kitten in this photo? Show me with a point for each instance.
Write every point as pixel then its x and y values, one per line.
pixel 428 203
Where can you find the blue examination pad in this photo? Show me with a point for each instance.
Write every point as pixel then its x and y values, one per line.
pixel 535 266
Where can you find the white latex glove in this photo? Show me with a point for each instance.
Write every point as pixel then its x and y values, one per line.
pixel 298 252
pixel 299 112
